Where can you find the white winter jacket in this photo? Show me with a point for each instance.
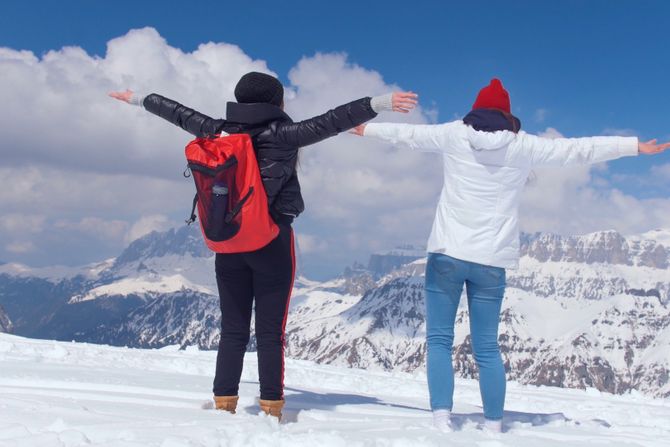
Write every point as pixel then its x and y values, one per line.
pixel 477 217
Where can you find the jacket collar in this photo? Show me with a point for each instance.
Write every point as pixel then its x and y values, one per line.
pixel 254 114
pixel 492 120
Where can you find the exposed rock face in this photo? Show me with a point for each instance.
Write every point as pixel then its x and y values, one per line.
pixel 605 297
pixel 381 264
pixel 613 346
pixel 184 319
pixel 594 266
pixel 385 328
pixel 357 280
pixel 5 322
pixel 182 241
pixel 607 247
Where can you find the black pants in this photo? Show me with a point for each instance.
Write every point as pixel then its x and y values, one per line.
pixel 266 276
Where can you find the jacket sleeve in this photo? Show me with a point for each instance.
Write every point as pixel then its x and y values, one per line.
pixel 188 119
pixel 324 126
pixel 575 151
pixel 422 137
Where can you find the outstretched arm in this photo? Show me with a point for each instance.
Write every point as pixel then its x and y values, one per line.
pixel 571 151
pixel 426 137
pixel 343 118
pixel 188 119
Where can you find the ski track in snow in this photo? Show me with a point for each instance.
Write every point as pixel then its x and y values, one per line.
pixel 76 394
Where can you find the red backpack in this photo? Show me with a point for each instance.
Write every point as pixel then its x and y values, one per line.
pixel 231 200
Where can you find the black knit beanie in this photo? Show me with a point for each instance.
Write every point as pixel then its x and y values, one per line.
pixel 259 87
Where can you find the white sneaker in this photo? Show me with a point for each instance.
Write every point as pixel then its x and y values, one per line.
pixel 442 420
pixel 492 426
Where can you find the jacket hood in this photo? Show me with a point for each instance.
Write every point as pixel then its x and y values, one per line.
pixel 255 114
pixel 480 140
pixel 491 129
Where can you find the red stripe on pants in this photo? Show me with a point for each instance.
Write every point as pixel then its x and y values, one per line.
pixel 288 304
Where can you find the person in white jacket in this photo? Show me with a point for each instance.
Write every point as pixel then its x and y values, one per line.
pixel 475 236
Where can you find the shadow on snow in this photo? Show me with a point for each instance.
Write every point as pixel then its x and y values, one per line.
pixel 303 400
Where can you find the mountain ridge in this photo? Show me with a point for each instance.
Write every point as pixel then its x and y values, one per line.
pixel 580 311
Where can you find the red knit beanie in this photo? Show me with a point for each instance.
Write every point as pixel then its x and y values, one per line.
pixel 493 96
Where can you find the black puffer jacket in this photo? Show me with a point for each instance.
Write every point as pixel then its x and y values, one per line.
pixel 276 139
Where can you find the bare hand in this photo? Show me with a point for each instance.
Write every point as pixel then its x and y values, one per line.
pixel 650 147
pixel 122 96
pixel 358 130
pixel 403 102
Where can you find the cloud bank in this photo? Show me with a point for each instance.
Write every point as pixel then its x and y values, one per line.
pixel 581 199
pixel 86 174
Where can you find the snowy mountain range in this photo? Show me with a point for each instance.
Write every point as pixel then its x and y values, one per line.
pixel 581 311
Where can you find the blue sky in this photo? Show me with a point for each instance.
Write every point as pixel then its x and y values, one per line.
pixel 581 67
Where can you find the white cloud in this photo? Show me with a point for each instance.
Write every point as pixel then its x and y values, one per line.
pixel 22 223
pixel 20 247
pixel 57 192
pixel 540 115
pixel 660 173
pixel 88 173
pixel 56 110
pixel 656 183
pixel 550 132
pixel 112 230
pixel 97 166
pixel 572 201
pixel 356 188
pixel 308 243
pixel 146 225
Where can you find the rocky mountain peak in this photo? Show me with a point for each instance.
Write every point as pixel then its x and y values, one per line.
pixel 608 247
pixel 182 241
pixel 383 263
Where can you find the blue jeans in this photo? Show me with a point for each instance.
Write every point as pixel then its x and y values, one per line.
pixel 485 286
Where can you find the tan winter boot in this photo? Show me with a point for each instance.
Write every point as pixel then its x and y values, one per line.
pixel 272 407
pixel 226 403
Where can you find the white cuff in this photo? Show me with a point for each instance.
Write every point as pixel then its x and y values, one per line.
pixel 628 146
pixel 369 130
pixel 137 99
pixel 382 103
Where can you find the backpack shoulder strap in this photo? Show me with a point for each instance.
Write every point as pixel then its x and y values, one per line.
pixel 193 217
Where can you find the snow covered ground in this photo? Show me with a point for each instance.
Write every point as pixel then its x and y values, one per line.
pixel 72 394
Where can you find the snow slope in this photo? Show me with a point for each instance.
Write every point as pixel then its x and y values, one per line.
pixel 70 394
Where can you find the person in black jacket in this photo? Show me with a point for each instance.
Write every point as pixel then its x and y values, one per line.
pixel 265 275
